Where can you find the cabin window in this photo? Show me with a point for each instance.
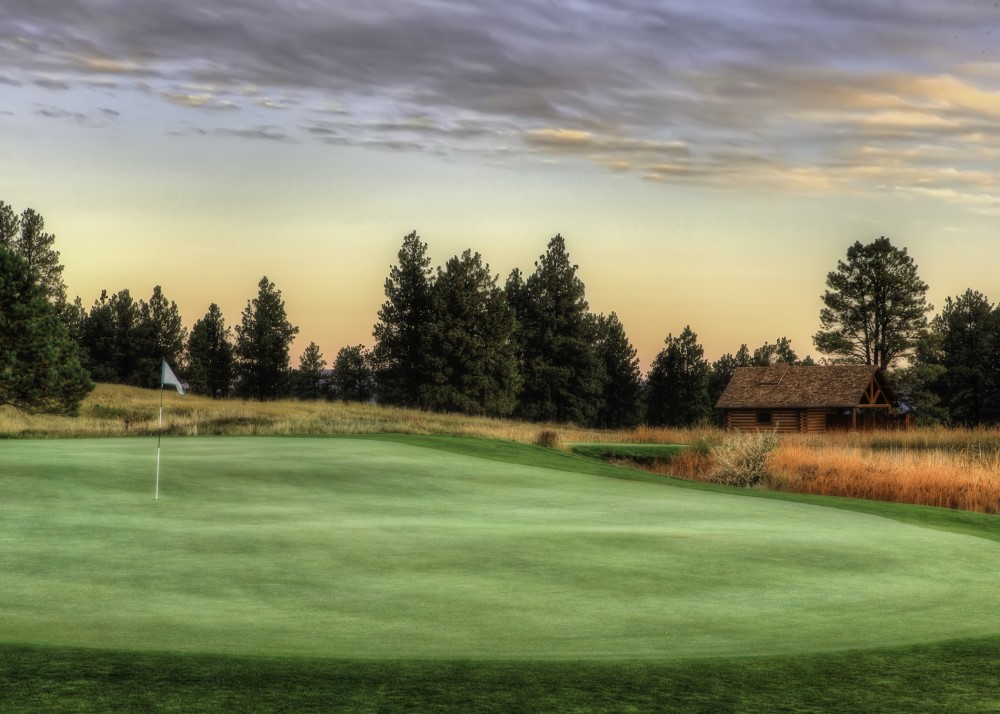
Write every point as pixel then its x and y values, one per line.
pixel 763 417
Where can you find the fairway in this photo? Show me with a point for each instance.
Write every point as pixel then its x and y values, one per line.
pixel 367 548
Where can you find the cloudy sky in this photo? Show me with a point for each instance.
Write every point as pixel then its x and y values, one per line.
pixel 707 162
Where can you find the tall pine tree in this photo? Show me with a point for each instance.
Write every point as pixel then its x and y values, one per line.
pixel 97 341
pixel 472 367
pixel 875 308
pixel 40 370
pixel 127 339
pixel 26 236
pixel 400 353
pixel 162 335
pixel 620 403
pixel 677 386
pixel 263 340
pixel 210 355
pixel 562 376
pixel 967 341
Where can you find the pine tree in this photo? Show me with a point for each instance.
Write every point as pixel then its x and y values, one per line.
pixel 677 387
pixel 263 340
pixel 10 226
pixel 162 336
pixel 620 403
pixel 400 353
pixel 36 247
pixel 562 376
pixel 40 370
pixel 780 352
pixel 73 316
pixel 25 235
pixel 472 367
pixel 352 379
pixel 210 355
pixel 967 336
pixel 309 381
pixel 721 372
pixel 127 340
pixel 919 385
pixel 97 341
pixel 875 308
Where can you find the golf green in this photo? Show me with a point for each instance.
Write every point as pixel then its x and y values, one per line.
pixel 367 548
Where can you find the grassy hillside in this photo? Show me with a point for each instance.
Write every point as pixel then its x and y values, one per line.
pixel 116 410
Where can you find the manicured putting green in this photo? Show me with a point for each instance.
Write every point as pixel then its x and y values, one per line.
pixel 365 548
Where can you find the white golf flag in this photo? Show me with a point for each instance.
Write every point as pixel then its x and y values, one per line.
pixel 168 377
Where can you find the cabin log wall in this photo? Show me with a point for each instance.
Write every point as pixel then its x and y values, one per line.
pixel 784 421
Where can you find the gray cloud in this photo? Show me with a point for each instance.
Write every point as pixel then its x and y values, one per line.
pixel 784 91
pixel 48 83
pixel 98 118
pixel 269 132
pixel 54 113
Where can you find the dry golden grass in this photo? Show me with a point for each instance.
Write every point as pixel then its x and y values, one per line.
pixel 974 440
pixel 930 477
pixel 935 467
pixel 115 410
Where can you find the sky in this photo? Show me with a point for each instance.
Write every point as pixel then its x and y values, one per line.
pixel 708 163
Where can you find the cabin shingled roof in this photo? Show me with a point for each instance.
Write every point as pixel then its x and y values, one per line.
pixel 785 386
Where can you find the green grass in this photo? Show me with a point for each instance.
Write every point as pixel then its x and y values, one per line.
pixel 951 677
pixel 431 572
pixel 641 453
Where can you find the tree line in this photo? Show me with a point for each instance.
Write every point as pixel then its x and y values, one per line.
pixel 455 339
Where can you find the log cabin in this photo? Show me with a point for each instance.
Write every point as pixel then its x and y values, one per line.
pixel 812 399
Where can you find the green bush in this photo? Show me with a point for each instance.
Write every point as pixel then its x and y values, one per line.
pixel 742 459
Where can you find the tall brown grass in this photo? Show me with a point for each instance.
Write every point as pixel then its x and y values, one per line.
pixel 931 477
pixel 115 410
pixel 948 468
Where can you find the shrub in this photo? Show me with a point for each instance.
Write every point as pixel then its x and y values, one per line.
pixel 549 438
pixel 742 459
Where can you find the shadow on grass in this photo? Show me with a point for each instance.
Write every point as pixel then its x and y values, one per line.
pixel 948 677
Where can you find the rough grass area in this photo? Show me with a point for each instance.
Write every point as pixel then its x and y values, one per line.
pixel 116 410
pixel 952 677
pixel 950 479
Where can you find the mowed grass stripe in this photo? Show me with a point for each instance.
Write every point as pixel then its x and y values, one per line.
pixel 367 548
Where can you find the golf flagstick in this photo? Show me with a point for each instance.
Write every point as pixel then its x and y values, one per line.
pixel 167 376
pixel 159 432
